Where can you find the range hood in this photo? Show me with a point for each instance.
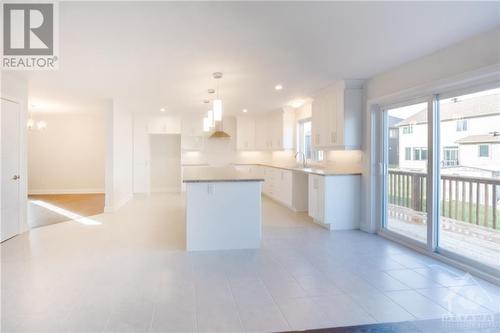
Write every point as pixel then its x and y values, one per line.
pixel 219 132
pixel 219 135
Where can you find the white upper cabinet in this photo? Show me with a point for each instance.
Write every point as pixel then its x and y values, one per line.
pixel 192 138
pixel 336 116
pixel 270 131
pixel 245 133
pixel 164 125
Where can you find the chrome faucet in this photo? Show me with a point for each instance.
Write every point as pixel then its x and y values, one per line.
pixel 304 160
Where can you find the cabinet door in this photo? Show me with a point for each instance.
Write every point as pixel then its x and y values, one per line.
pixel 332 111
pixel 277 132
pixel 320 199
pixel 340 116
pixel 286 187
pixel 245 133
pixel 261 133
pixel 319 123
pixel 312 210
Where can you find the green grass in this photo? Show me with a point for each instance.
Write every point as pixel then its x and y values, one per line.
pixel 456 210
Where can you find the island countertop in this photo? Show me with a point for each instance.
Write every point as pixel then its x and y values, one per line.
pixel 309 170
pixel 217 174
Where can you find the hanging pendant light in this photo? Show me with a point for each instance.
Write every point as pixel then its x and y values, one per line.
pixel 210 116
pixel 217 103
pixel 206 124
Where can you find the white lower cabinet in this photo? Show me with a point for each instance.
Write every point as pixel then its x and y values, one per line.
pixel 278 185
pixel 334 201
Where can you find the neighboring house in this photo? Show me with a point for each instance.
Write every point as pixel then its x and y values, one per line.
pixel 469 135
pixel 393 141
pixel 481 151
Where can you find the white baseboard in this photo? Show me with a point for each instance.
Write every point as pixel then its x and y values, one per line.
pixel 67 191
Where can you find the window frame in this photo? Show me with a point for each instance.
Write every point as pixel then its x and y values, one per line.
pixel 316 155
pixel 488 150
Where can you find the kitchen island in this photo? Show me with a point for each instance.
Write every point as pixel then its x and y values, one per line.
pixel 223 209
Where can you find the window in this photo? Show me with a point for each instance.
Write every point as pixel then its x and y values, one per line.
pixel 393 133
pixel 408 153
pixel 420 154
pixel 304 144
pixel 408 129
pixel 450 156
pixel 484 151
pixel 461 125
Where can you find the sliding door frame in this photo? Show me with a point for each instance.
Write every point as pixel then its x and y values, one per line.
pixel 384 149
pixel 431 247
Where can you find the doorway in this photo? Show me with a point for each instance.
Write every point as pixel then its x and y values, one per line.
pixel 10 195
pixel 165 171
pixel 66 165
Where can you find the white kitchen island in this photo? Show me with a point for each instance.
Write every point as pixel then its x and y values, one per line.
pixel 223 209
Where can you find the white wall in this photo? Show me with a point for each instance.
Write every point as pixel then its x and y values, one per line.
pixel 472 61
pixel 69 155
pixel 119 157
pixel 13 86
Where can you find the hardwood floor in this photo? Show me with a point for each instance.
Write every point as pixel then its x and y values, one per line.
pixel 48 209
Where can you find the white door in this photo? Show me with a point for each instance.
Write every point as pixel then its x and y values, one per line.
pixel 10 124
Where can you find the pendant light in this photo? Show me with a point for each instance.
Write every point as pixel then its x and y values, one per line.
pixel 206 124
pixel 210 116
pixel 217 103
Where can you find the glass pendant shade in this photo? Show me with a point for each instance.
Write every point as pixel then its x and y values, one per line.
pixel 217 108
pixel 211 118
pixel 206 124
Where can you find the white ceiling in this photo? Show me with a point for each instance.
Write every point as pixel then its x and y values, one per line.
pixel 160 54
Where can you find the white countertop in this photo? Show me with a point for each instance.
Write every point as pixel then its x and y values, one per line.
pixel 314 171
pixel 217 174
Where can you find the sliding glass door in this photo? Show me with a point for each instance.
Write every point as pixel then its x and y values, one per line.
pixel 405 182
pixel 469 224
pixel 460 144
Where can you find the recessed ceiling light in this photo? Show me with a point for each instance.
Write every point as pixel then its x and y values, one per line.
pixel 244 110
pixel 296 103
pixel 278 87
pixel 162 109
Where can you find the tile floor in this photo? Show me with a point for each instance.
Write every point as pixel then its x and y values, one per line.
pixel 128 272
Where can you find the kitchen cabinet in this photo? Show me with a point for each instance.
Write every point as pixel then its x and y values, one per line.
pixel 270 131
pixel 337 116
pixel 164 125
pixel 193 137
pixel 245 133
pixel 334 201
pixel 278 185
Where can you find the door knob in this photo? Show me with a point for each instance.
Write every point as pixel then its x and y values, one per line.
pixel 16 177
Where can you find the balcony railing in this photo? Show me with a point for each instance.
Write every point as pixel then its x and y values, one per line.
pixel 469 199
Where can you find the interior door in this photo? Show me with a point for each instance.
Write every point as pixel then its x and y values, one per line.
pixel 10 124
